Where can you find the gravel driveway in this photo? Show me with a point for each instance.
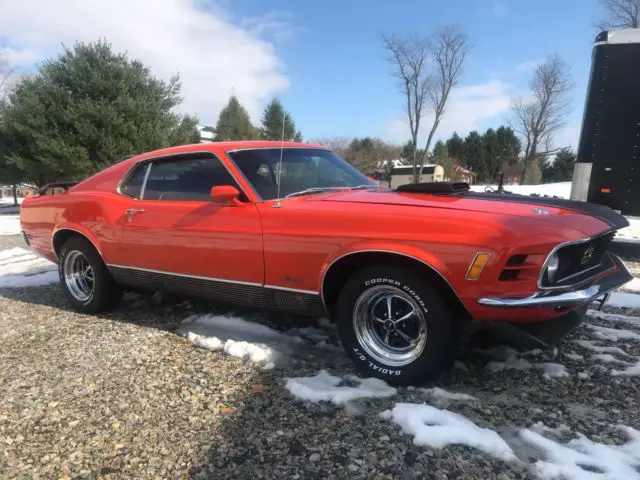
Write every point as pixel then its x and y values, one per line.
pixel 122 396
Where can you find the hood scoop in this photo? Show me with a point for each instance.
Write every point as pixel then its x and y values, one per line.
pixel 434 187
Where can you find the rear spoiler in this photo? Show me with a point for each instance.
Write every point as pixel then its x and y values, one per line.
pixel 434 187
pixel 49 186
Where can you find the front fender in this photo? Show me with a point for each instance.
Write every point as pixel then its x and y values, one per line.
pixel 398 248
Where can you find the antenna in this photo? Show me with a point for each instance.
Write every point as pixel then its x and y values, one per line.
pixel 277 204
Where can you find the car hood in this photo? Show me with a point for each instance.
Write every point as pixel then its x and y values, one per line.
pixel 542 208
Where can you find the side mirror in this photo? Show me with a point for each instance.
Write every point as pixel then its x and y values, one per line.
pixel 226 194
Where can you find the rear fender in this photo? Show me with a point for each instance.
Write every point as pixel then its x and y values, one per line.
pixel 67 228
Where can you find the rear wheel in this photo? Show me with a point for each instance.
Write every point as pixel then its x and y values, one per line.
pixel 394 326
pixel 85 279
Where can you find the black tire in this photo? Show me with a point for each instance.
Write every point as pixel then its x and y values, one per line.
pixel 105 293
pixel 435 357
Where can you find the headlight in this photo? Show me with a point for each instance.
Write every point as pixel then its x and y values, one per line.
pixel 552 267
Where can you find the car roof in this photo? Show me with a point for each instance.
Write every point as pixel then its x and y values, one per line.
pixel 219 146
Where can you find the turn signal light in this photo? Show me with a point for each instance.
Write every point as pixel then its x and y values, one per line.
pixel 476 267
pixel 605 190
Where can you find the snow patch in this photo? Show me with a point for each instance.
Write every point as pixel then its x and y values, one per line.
pixel 632 371
pixel 239 338
pixel 549 369
pixel 325 387
pixel 442 394
pixel 559 189
pixel 437 428
pixel 623 300
pixel 9 224
pixel 612 334
pixel 21 268
pixel 632 286
pixel 574 356
pixel 580 457
pixel 615 318
pixel 590 345
pixel 607 358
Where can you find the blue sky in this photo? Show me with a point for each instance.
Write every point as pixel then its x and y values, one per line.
pixel 323 59
pixel 340 83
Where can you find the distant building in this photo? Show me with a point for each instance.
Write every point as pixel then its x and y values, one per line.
pixel 404 174
pixel 461 174
pixel 206 136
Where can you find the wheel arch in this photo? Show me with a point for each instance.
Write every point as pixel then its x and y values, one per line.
pixel 342 268
pixel 62 234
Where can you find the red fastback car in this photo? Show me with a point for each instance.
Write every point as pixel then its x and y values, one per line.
pixel 293 227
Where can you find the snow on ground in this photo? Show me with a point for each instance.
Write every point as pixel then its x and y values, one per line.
pixel 437 428
pixel 574 356
pixel 581 458
pixel 590 345
pixel 440 393
pixel 607 358
pixel 23 268
pixel 9 224
pixel 630 233
pixel 633 370
pixel 633 286
pixel 240 338
pixel 560 189
pixel 615 318
pixel 625 300
pixel 612 334
pixel 512 361
pixel 325 387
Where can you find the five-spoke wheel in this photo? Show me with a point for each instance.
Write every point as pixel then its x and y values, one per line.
pixel 78 276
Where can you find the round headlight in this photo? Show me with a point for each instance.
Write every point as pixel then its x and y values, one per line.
pixel 552 267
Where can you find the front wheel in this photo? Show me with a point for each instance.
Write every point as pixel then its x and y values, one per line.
pixel 85 279
pixel 394 326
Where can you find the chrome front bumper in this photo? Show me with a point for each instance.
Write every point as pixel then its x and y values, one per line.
pixel 584 293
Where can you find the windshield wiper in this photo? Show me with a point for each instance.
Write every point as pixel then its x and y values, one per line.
pixel 313 190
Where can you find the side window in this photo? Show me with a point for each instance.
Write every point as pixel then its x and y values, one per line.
pixel 190 179
pixel 133 185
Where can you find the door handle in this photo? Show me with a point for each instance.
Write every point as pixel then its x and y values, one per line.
pixel 130 212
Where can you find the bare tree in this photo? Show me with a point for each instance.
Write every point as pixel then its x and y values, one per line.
pixel 6 74
pixel 339 145
pixel 537 118
pixel 620 14
pixel 409 58
pixel 449 47
pixel 412 59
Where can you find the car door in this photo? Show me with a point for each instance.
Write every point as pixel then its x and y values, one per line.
pixel 170 224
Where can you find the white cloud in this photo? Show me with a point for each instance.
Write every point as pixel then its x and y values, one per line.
pixel 529 66
pixel 214 55
pixel 468 108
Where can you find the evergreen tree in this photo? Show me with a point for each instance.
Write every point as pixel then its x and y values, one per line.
pixel 234 123
pixel 473 152
pixel 455 147
pixel 440 156
pixel 561 168
pixel 509 145
pixel 272 119
pixel 86 108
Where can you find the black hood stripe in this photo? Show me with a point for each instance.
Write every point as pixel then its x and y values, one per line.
pixel 601 212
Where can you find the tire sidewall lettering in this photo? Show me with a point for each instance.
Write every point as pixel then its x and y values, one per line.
pixel 395 283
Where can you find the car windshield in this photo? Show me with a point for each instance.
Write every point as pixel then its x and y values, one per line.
pixel 304 171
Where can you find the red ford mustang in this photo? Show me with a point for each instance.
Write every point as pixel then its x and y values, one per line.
pixel 293 227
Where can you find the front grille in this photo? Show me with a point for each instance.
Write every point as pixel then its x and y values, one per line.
pixel 579 261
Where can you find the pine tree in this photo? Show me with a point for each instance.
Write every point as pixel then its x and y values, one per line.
pixel 234 123
pixel 85 109
pixel 473 154
pixel 272 118
pixel 455 147
pixel 559 169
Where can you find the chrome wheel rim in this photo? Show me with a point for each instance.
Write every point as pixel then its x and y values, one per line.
pixel 390 325
pixel 78 276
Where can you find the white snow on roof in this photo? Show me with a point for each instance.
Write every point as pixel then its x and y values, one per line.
pixel 9 224
pixel 325 387
pixel 437 428
pixel 22 268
